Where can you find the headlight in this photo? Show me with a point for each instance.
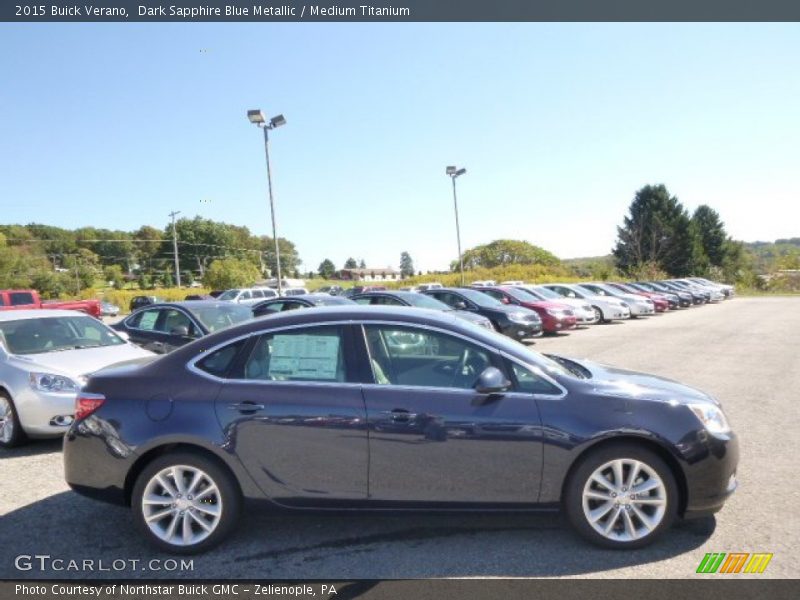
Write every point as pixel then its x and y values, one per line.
pixel 48 382
pixel 712 418
pixel 521 318
pixel 624 304
pixel 554 312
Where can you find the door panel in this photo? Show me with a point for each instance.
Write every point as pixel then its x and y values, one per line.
pixel 432 437
pixel 295 416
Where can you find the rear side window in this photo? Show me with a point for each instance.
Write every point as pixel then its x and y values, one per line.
pixel 220 361
pixel 312 354
pixel 20 298
pixel 145 320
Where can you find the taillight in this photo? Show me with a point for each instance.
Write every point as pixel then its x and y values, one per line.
pixel 86 404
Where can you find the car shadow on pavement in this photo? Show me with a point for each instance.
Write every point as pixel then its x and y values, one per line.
pixel 326 545
pixel 33 448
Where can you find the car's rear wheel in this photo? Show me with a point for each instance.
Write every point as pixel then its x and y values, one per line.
pixel 621 497
pixel 185 503
pixel 11 432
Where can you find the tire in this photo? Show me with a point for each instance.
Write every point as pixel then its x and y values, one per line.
pixel 218 509
pixel 599 314
pixel 11 432
pixel 629 523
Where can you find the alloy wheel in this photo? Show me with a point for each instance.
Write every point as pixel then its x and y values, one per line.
pixel 624 500
pixel 6 420
pixel 182 505
pixel 598 314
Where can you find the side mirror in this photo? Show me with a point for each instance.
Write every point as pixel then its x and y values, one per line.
pixel 460 305
pixel 181 330
pixel 492 381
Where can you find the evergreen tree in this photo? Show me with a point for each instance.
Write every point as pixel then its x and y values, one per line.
pixel 711 231
pixel 350 263
pixel 326 269
pixel 406 265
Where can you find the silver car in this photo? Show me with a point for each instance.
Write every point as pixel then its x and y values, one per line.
pixel 45 357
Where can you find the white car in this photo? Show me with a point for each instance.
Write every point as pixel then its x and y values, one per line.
pixel 45 358
pixel 583 311
pixel 640 306
pixel 294 291
pixel 605 307
pixel 485 283
pixel 247 295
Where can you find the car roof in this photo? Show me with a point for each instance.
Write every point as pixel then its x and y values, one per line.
pixel 41 313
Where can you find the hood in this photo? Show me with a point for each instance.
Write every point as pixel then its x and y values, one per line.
pixel 551 304
pixel 511 309
pixel 613 381
pixel 469 316
pixel 77 363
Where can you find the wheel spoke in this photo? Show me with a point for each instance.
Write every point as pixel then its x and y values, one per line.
pixel 650 501
pixel 162 481
pixel 646 486
pixel 187 528
pixel 177 476
pixel 202 522
pixel 643 518
pixel 209 509
pixel 173 525
pixel 616 466
pixel 634 473
pixel 612 520
pixel 600 512
pixel 157 500
pixel 211 489
pixel 601 479
pixel 195 480
pixel 597 495
pixel 630 528
pixel 157 516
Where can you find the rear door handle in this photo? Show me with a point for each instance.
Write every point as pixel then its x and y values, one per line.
pixel 246 407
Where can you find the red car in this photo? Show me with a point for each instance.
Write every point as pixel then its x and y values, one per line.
pixel 29 299
pixel 555 315
pixel 660 303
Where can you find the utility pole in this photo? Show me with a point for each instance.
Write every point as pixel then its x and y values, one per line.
pixel 173 214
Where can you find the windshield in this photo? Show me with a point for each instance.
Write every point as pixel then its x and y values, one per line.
pixel 480 298
pixel 218 317
pixel 519 295
pixel 423 301
pixel 543 292
pixel 229 295
pixel 52 334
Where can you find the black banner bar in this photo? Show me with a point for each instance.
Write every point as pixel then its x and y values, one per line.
pixel 710 588
pixel 398 10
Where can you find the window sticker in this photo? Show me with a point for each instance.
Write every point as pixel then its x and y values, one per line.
pixel 304 357
pixel 148 320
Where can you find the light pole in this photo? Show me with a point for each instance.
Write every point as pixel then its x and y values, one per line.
pixel 173 214
pixel 454 173
pixel 257 118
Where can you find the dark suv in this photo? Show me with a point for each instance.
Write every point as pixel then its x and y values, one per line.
pixel 140 301
pixel 514 321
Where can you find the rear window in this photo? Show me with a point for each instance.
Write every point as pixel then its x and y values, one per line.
pixel 20 298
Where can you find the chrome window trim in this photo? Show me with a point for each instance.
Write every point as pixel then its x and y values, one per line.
pixel 192 364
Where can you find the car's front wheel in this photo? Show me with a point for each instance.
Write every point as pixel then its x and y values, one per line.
pixel 621 496
pixel 11 432
pixel 598 314
pixel 185 503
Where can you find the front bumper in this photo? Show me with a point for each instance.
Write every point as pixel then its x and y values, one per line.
pixel 522 331
pixel 711 477
pixel 44 414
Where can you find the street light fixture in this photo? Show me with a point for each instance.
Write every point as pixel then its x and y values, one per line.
pixel 256 117
pixel 454 173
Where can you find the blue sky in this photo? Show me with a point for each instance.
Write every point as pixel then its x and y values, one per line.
pixel 114 125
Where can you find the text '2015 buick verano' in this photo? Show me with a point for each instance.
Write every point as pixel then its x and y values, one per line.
pixel 376 408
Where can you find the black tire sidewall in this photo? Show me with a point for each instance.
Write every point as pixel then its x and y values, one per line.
pixel 573 497
pixel 231 499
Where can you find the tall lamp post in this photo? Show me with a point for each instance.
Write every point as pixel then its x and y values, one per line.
pixel 257 118
pixel 174 214
pixel 455 173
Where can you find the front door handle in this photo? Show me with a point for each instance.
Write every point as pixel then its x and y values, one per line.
pixel 401 415
pixel 246 407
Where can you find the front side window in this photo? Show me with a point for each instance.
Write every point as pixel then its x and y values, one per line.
pixel 409 356
pixel 145 320
pixel 365 301
pixel 531 383
pixel 386 301
pixel 175 320
pixel 312 354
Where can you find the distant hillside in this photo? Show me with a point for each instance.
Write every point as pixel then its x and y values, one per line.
pixel 769 256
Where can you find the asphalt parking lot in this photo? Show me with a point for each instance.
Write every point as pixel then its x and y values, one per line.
pixel 744 351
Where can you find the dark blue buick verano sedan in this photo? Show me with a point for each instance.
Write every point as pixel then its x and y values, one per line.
pixel 375 408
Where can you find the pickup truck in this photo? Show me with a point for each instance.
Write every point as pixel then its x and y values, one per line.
pixel 29 299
